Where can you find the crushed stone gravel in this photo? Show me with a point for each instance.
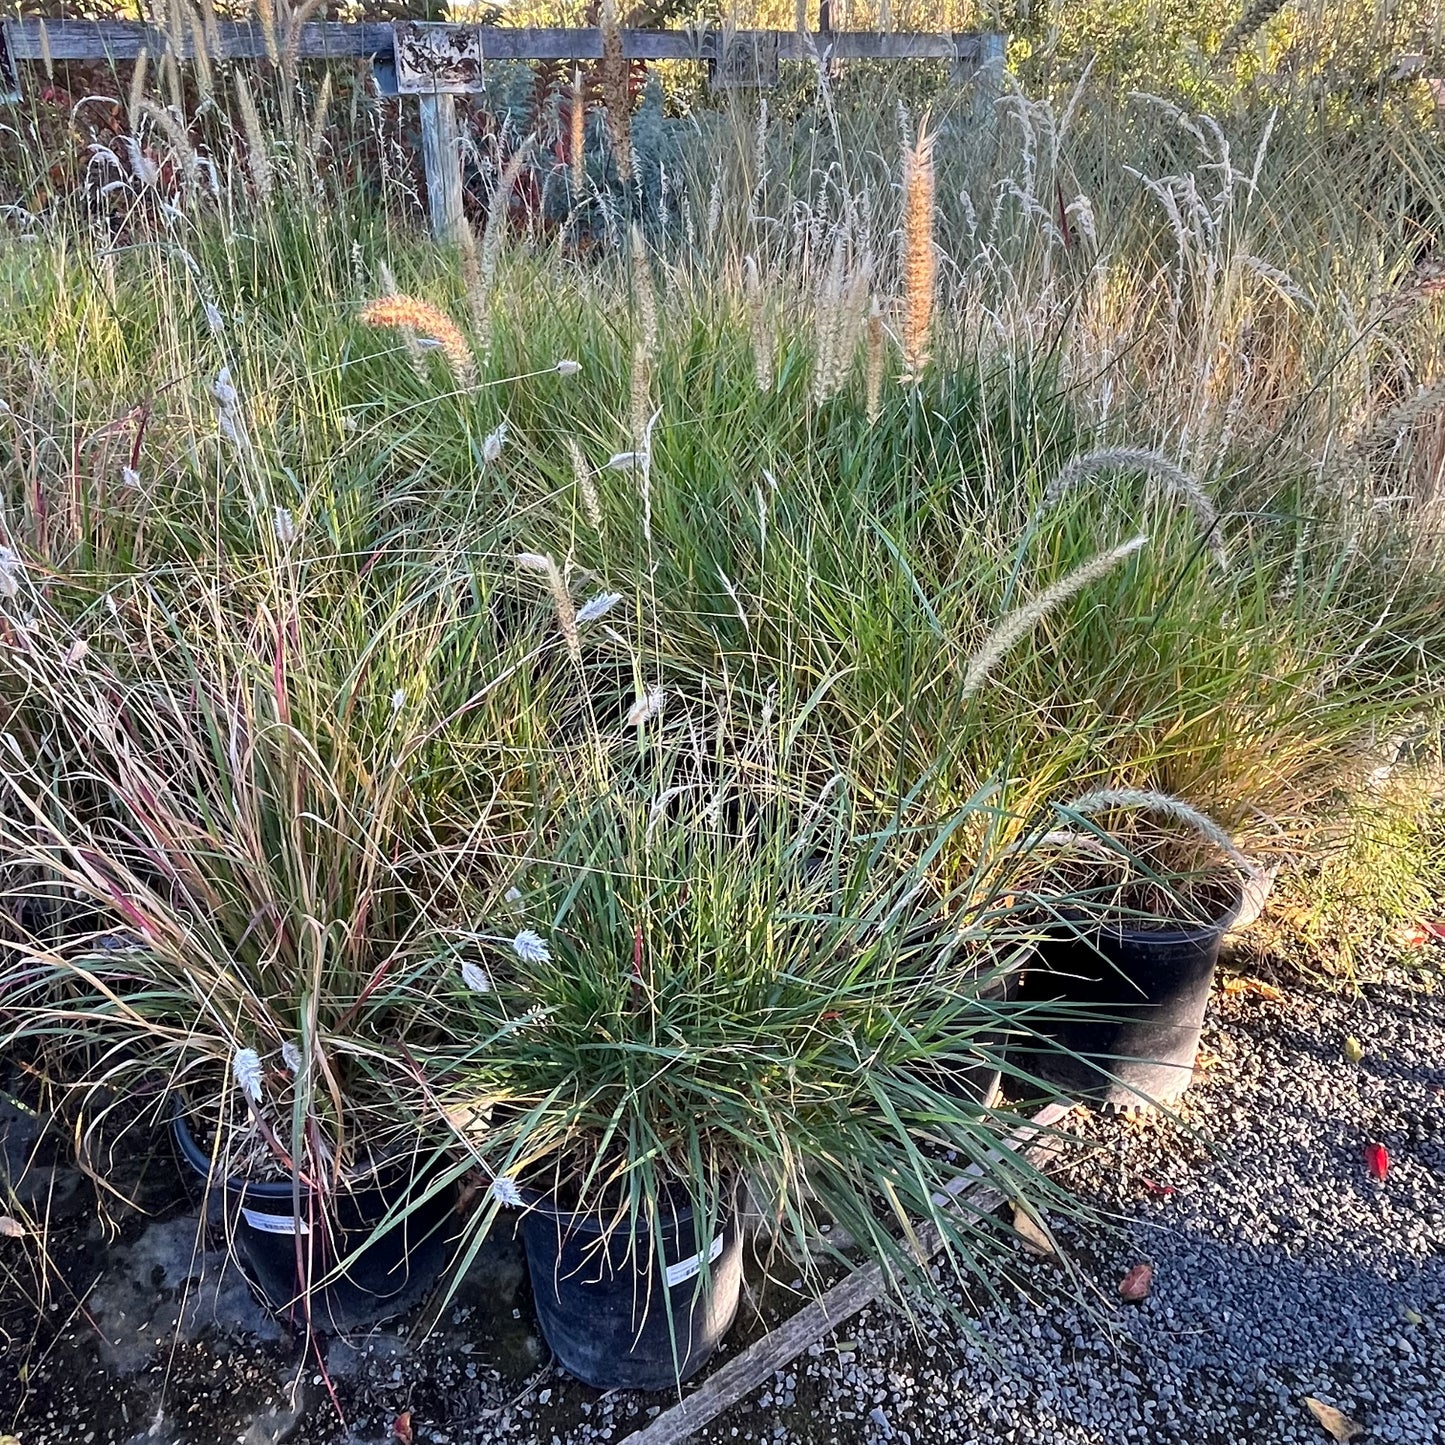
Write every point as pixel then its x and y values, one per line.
pixel 1281 1270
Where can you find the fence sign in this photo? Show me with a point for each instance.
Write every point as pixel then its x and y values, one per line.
pixel 435 59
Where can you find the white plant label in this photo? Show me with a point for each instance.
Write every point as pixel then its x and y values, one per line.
pixel 686 1269
pixel 275 1223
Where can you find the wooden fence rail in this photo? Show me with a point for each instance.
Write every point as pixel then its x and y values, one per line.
pixel 736 58
pixel 37 40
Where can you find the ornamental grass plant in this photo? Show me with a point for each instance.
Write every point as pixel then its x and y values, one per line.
pixel 887 480
pixel 729 977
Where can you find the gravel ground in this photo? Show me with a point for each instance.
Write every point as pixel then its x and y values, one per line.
pixel 1281 1270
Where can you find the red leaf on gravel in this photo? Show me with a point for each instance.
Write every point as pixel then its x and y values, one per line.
pixel 401 1428
pixel 1435 927
pixel 1136 1284
pixel 1377 1160
pixel 1162 1190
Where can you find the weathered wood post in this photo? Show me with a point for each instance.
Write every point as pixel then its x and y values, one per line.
pixel 436 63
pixel 441 157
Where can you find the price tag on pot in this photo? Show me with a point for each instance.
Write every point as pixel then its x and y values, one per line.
pixel 686 1269
pixel 276 1223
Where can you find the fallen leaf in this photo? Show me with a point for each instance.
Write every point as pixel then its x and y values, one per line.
pixel 1256 986
pixel 1034 1235
pixel 1412 1317
pixel 1339 1426
pixel 1163 1190
pixel 1377 1160
pixel 1435 927
pixel 1136 1284
pixel 401 1428
pixel 10 1229
pixel 1412 935
pixel 1353 1051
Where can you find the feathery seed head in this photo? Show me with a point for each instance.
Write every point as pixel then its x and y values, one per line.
pixel 875 361
pixel 248 1074
pixel 531 947
pixel 424 319
pixel 544 563
pixel 920 261
pixel 1167 806
pixel 12 569
pixel 476 977
pixel 1018 624
pixel 597 607
pixel 586 488
pixel 506 1192
pixel 647 707
pixel 1173 477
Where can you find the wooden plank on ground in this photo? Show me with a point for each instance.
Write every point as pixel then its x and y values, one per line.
pixel 765 1357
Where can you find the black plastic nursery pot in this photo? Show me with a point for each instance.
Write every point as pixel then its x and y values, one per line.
pixel 1140 990
pixel 335 1266
pixel 615 1314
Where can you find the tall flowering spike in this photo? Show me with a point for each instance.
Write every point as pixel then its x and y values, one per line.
pixel 531 947
pixel 616 99
pixel 586 487
pixel 920 260
pixel 247 1072
pixel 875 361
pixel 1170 475
pixel 759 332
pixel 403 312
pixel 577 132
pixel 1019 623
pixel 544 563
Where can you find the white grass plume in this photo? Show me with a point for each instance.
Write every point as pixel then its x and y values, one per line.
pixel 1018 624
pixel 1139 459
pixel 1164 805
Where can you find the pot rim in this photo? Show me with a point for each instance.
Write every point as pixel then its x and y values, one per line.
pixel 543 1202
pixel 273 1191
pixel 1172 931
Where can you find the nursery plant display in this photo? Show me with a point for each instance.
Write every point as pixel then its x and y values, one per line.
pixel 552 732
